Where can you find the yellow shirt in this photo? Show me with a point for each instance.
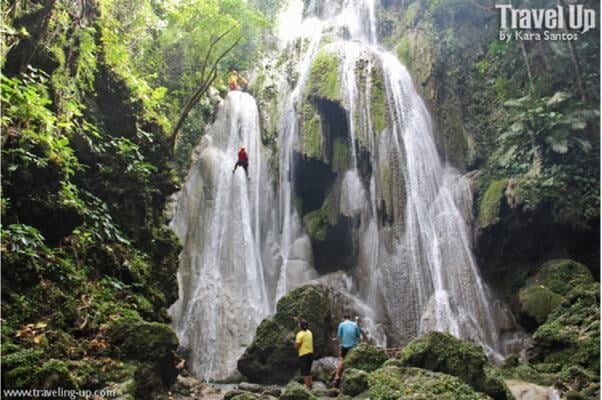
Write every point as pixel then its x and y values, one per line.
pixel 307 342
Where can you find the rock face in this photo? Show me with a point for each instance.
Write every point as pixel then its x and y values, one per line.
pixel 441 352
pixel 272 358
pixel 398 383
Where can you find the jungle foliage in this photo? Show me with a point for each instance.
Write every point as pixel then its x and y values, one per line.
pixel 89 92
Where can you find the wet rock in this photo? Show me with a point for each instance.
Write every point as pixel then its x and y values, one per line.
pixel 365 357
pixel 399 383
pixel 251 387
pixel 324 369
pixel 441 352
pixel 245 396
pixel 187 382
pixel 354 381
pixel 529 391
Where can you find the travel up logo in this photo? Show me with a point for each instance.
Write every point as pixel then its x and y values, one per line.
pixel 558 23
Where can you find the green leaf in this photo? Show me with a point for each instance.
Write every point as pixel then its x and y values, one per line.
pixel 557 98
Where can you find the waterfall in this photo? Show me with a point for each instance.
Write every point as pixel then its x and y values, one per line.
pixel 225 225
pixel 245 243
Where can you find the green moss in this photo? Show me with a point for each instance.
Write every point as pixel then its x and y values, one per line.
pixel 365 357
pixel 312 132
pixel 323 78
pixel 378 107
pixel 144 341
pixel 489 207
pixel 296 391
pixel 441 352
pixel 403 50
pixel 392 383
pixel 316 225
pixel 354 381
pixel 47 375
pixel 571 334
pixel 317 222
pixel 341 156
pixel 562 276
pixel 537 302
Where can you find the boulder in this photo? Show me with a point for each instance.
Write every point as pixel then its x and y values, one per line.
pixel 365 357
pixel 399 383
pixel 561 276
pixel 571 334
pixel 271 357
pixel 296 391
pixel 152 344
pixel 441 352
pixel 354 381
pixel 536 303
pixel 324 369
pixel 245 396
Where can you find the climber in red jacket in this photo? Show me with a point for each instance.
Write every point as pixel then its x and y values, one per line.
pixel 243 161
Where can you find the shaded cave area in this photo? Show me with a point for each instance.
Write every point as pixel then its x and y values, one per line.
pixel 317 189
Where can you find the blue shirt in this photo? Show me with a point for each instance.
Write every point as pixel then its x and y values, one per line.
pixel 349 333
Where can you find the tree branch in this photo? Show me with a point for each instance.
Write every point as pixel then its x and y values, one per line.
pixel 203 86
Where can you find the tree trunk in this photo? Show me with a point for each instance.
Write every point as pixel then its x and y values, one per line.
pixel 529 73
pixel 576 63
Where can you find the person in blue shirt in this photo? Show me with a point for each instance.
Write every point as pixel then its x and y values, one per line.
pixel 349 335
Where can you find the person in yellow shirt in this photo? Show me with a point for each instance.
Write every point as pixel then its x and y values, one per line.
pixel 304 343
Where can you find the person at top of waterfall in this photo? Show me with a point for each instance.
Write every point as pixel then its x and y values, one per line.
pixel 304 343
pixel 349 334
pixel 242 82
pixel 243 161
pixel 233 79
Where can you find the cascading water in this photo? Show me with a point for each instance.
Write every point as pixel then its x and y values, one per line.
pixel 226 226
pixel 245 243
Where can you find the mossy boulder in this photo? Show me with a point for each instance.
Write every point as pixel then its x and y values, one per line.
pixel 401 383
pixel 491 202
pixel 271 357
pixel 365 357
pixel 441 352
pixel 296 391
pixel 144 341
pixel 354 381
pixel 536 303
pixel 571 334
pixel 562 276
pixel 152 344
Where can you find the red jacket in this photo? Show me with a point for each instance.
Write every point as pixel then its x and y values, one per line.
pixel 242 156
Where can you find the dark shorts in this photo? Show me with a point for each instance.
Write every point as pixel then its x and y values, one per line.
pixel 244 164
pixel 305 362
pixel 345 350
